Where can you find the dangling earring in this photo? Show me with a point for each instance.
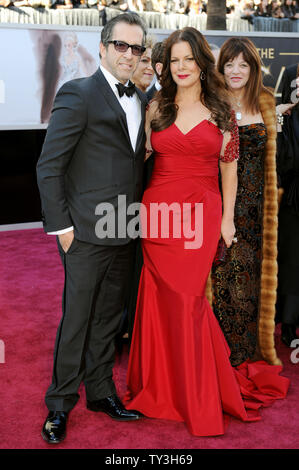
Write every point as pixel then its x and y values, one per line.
pixel 202 75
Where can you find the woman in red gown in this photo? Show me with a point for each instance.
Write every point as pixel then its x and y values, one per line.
pixel 179 366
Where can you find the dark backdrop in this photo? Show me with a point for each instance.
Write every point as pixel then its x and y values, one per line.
pixel 19 196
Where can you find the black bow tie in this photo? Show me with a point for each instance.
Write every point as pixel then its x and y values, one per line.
pixel 128 90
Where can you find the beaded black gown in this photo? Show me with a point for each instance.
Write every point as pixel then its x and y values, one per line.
pixel 236 282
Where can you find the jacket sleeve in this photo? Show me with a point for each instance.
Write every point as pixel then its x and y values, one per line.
pixel 65 128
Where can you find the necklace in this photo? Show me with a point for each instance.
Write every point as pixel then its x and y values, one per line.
pixel 238 112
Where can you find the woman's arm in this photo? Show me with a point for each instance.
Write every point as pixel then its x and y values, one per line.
pixel 229 180
pixel 229 191
pixel 282 109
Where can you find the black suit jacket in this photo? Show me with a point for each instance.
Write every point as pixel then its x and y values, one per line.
pixel 289 75
pixel 87 158
pixel 151 92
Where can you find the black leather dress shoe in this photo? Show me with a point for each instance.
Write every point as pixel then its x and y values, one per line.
pixel 54 429
pixel 288 334
pixel 113 407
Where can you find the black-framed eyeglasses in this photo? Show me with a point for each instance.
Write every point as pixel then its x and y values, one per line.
pixel 121 46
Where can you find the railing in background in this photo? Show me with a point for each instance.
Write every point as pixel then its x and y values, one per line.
pixel 154 20
pixel 278 25
pixel 91 17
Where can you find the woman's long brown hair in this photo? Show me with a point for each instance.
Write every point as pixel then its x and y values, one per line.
pixel 231 49
pixel 213 91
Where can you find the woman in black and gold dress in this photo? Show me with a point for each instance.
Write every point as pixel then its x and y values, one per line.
pixel 244 285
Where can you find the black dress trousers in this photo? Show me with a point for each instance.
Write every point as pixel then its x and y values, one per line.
pixel 93 300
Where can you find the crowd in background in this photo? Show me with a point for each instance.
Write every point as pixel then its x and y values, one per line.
pixel 246 9
pixel 274 8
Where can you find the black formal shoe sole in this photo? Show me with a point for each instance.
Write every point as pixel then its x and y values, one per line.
pixel 49 441
pixel 116 418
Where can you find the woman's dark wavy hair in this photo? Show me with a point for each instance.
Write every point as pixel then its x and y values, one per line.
pixel 213 92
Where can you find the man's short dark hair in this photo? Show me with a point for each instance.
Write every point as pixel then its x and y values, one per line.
pixel 130 18
pixel 157 55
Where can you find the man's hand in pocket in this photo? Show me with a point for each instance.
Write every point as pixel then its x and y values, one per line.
pixel 66 239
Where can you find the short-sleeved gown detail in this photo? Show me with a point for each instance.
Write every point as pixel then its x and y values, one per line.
pixel 179 367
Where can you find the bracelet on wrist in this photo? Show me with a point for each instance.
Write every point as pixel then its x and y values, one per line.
pixel 279 118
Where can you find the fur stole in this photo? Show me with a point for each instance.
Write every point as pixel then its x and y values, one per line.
pixel 269 269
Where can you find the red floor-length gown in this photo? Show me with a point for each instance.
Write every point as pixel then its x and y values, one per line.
pixel 179 366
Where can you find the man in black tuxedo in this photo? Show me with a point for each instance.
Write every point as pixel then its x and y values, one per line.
pixel 93 152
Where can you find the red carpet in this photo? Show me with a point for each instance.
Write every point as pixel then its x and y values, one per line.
pixel 30 305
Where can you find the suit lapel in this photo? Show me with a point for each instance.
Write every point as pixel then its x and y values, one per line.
pixel 112 101
pixel 143 101
pixel 115 105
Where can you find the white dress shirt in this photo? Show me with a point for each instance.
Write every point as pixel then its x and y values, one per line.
pixel 132 108
pixel 157 85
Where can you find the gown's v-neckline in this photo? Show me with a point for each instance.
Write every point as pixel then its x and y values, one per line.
pixel 194 127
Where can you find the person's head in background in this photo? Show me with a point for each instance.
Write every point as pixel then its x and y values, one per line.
pixel 157 58
pixel 215 51
pixel 144 72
